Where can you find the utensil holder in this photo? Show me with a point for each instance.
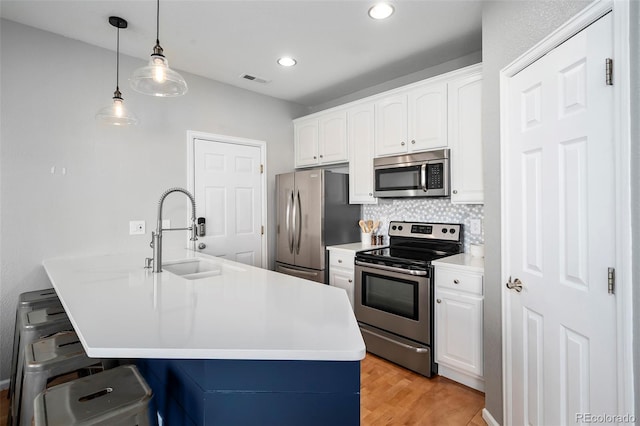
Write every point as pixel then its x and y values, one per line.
pixel 365 238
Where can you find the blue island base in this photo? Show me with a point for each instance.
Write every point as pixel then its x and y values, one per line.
pixel 253 392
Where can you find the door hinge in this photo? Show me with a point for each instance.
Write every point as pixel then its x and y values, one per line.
pixel 261 229
pixel 261 168
pixel 611 280
pixel 609 72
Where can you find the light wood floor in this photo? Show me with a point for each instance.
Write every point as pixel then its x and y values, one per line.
pixel 391 395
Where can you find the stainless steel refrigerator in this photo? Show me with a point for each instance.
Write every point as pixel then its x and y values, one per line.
pixel 313 212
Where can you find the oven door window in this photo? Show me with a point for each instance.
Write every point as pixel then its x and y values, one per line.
pixel 398 179
pixel 392 295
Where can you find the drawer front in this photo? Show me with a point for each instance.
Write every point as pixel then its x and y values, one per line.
pixel 341 259
pixel 459 280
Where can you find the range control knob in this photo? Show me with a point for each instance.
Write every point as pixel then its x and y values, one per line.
pixel 394 227
pixel 452 231
pixel 400 228
pixel 444 230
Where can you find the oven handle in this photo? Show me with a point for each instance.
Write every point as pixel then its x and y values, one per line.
pixel 392 268
pixel 423 177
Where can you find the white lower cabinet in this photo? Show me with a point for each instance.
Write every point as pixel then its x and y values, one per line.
pixel 458 325
pixel 341 270
pixel 342 278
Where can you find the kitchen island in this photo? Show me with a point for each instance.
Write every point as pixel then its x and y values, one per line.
pixel 241 345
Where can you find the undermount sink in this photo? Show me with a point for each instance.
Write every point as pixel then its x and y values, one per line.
pixel 192 269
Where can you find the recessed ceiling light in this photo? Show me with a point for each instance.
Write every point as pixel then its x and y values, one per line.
pixel 381 11
pixel 287 62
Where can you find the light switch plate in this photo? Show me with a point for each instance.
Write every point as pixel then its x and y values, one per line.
pixel 136 227
pixel 476 226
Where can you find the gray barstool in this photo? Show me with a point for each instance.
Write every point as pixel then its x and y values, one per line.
pixel 34 325
pixel 117 396
pixel 28 301
pixel 45 359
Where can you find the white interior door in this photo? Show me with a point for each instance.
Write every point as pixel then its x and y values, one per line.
pixel 228 191
pixel 560 336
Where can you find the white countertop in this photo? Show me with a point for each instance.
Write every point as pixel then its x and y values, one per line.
pixel 354 247
pixel 462 261
pixel 121 310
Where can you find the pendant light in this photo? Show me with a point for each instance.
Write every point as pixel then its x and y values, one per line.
pixel 117 114
pixel 157 79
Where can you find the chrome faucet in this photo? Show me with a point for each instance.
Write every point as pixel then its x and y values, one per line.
pixel 156 236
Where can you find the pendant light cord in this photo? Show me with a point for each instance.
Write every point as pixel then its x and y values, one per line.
pixel 118 59
pixel 158 22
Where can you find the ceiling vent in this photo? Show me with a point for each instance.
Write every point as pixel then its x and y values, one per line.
pixel 254 78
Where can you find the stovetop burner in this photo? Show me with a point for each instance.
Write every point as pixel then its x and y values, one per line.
pixel 416 244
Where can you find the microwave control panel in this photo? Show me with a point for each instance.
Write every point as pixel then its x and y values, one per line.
pixel 435 176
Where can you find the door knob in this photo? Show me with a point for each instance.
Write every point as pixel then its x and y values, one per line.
pixel 514 285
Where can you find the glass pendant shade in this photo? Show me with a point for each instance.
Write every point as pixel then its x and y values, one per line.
pixel 157 79
pixel 117 113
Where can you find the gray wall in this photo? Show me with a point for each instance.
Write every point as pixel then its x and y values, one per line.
pixel 509 28
pixel 51 89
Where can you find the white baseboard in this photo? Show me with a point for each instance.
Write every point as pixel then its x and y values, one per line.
pixel 457 376
pixel 4 384
pixel 489 418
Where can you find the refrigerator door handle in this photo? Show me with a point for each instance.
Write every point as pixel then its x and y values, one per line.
pixel 299 223
pixel 294 225
pixel 288 222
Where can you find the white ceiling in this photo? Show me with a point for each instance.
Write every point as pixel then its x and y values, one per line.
pixel 339 49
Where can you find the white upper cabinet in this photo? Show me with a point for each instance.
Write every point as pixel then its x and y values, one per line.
pixel 428 117
pixel 360 138
pixel 306 142
pixel 440 112
pixel 415 120
pixel 391 125
pixel 321 140
pixel 465 139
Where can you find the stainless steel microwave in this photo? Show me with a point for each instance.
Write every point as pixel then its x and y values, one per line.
pixel 424 174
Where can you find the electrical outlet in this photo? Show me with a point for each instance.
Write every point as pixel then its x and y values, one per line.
pixel 476 226
pixel 136 227
pixel 166 224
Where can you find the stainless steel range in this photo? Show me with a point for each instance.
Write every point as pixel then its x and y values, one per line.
pixel 394 292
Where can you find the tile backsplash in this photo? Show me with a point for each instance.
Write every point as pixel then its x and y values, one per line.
pixel 426 210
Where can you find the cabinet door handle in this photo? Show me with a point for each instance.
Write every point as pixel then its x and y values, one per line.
pixel 456 282
pixel 402 143
pixel 413 141
pixel 455 191
pixel 350 280
pixel 371 194
pixel 339 260
pixel 315 158
pixel 320 155
pixel 439 300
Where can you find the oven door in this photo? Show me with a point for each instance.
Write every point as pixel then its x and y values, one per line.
pixel 394 300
